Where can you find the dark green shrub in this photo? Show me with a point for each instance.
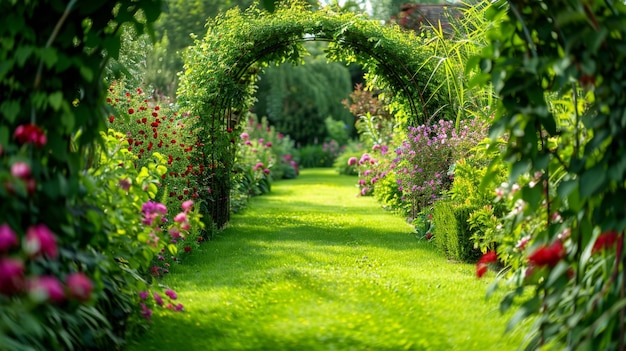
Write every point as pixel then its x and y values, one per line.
pixel 452 231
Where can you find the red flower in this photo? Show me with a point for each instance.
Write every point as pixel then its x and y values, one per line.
pixel 605 241
pixel 485 260
pixel 131 111
pixel 154 114
pixel 111 119
pixel 144 120
pixel 187 248
pixel 156 108
pixel 30 134
pixel 547 255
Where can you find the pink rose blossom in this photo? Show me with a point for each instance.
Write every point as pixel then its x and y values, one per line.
pixel 20 170
pixel 40 241
pixel 46 288
pixel 8 239
pixel 11 276
pixel 79 286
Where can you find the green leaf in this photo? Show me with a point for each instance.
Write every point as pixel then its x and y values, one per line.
pixel 56 99
pixel 87 73
pixel 22 54
pixel 591 180
pixel 49 57
pixel 10 109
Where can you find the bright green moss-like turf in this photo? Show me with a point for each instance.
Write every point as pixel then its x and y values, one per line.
pixel 310 266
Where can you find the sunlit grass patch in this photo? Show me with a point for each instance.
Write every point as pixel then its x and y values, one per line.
pixel 312 267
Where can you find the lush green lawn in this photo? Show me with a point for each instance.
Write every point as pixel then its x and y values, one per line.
pixel 312 267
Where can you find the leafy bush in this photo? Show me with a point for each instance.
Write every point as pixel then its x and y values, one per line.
pixel 452 231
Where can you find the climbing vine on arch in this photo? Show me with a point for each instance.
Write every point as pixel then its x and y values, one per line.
pixel 220 69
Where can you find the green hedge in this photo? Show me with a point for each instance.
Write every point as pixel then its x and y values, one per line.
pixel 452 232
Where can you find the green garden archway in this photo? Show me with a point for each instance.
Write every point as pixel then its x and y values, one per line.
pixel 220 69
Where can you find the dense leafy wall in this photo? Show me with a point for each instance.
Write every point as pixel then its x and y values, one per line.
pixel 220 69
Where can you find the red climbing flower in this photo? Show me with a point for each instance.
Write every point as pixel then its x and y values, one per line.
pixel 483 264
pixel 605 241
pixel 547 255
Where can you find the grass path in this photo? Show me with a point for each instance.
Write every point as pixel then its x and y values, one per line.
pixel 312 267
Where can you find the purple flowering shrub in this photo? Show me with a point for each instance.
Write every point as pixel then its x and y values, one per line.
pixel 412 176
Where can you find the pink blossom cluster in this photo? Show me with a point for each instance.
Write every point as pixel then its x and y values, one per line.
pixel 145 303
pixel 39 243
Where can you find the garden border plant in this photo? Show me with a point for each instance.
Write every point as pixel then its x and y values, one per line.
pixel 220 71
pixel 558 69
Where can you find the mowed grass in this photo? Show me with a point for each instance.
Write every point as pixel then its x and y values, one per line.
pixel 312 267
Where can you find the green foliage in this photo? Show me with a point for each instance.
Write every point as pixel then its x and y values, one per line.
pixel 342 163
pixel 557 68
pixel 298 99
pixel 337 271
pixel 220 69
pixel 318 155
pixel 452 231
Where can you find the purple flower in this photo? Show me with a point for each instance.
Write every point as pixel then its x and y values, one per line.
pixel 8 239
pixel 171 294
pixel 179 307
pixel 143 295
pixel 158 299
pixel 145 311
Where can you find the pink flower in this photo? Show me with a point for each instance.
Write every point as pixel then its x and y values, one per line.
pixel 179 307
pixel 8 239
pixel 266 171
pixel 483 264
pixel 11 276
pixel 187 205
pixel 352 161
pixel 171 294
pixel 143 295
pixel 46 288
pixel 30 134
pixel 20 170
pixel 181 217
pixel 244 136
pixel 79 286
pixel 40 241
pixel 268 144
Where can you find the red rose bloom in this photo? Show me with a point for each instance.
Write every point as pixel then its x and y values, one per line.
pixel 547 255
